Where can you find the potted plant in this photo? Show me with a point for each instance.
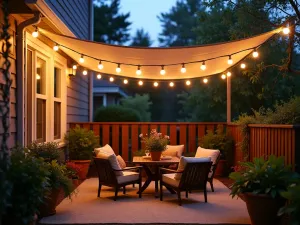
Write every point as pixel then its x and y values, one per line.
pixel 47 150
pixel 222 141
pixel 80 145
pixel 73 170
pixel 28 177
pixel 155 143
pixel 261 182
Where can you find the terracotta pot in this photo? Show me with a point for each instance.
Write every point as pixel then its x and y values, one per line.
pixel 221 168
pixel 84 164
pixel 155 156
pixel 49 205
pixel 263 209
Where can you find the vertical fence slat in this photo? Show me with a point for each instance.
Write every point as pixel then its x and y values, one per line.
pixel 192 138
pixel 144 132
pixel 210 127
pixel 125 137
pixel 182 135
pixel 153 126
pixel 293 146
pixel 116 138
pixel 86 126
pixel 164 129
pixel 134 138
pixel 105 134
pixel 173 134
pixel 201 131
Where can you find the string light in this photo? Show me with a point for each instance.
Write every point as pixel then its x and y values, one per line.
pixel 84 72
pixel 111 79
pixel 183 69
pixel 188 83
pixel 230 61
pixel 81 60
pixel 35 33
pixel 100 65
pixel 171 84
pixel 228 74
pixel 118 69
pixel 155 84
pixel 286 30
pixel 138 71
pixel 141 83
pixel 125 81
pixel 255 53
pixel 203 66
pixel 99 76
pixel 74 67
pixel 243 65
pixel 205 80
pixel 55 47
pixel 223 76
pixel 162 71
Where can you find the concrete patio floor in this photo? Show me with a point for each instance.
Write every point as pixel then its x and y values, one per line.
pixel 86 208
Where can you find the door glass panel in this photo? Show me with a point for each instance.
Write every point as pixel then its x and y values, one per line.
pixel 41 76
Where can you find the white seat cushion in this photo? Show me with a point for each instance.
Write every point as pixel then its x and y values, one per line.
pixel 174 150
pixel 169 178
pixel 213 153
pixel 112 158
pixel 184 160
pixel 127 177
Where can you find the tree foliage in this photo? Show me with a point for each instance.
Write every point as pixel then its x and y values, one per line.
pixel 116 113
pixel 141 38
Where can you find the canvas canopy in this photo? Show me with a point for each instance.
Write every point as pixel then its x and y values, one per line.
pixel 159 56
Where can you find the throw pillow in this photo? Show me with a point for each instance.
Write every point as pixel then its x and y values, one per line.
pixel 112 158
pixel 121 161
pixel 203 152
pixel 174 150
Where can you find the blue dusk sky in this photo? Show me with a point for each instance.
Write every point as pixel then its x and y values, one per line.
pixel 143 14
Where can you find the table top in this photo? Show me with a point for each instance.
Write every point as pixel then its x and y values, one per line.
pixel 141 160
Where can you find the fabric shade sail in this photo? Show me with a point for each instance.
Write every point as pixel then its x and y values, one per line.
pixel 151 59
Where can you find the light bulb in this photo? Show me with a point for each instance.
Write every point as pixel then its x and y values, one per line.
pixel 243 65
pixel 255 54
pixel 230 61
pixel 125 81
pixel 74 67
pixel 171 84
pixel 183 69
pixel 55 47
pixel 286 30
pixel 99 76
pixel 203 66
pixel 38 77
pixel 84 72
pixel 100 65
pixel 188 83
pixel 118 69
pixel 140 83
pixel 223 76
pixel 162 71
pixel 138 71
pixel 35 33
pixel 205 80
pixel 111 79
pixel 155 84
pixel 228 74
pixel 81 60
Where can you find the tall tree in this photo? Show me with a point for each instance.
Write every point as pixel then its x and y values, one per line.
pixel 141 38
pixel 110 26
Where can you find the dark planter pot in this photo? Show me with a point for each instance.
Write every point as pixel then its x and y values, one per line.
pixel 221 169
pixel 155 156
pixel 49 205
pixel 263 209
pixel 84 164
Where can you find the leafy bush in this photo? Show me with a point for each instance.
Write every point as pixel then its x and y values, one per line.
pixel 219 140
pixel 30 179
pixel 80 143
pixel 270 177
pixel 116 113
pixel 47 150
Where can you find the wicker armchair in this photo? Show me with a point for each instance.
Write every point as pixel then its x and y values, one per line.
pixel 193 177
pixel 107 176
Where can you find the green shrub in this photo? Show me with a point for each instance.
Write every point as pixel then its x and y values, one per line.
pixel 47 150
pixel 80 143
pixel 116 113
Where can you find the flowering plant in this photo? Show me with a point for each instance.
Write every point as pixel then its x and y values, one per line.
pixel 155 142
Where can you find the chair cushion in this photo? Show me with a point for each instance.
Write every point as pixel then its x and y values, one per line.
pixel 127 177
pixel 213 153
pixel 169 178
pixel 121 161
pixel 174 150
pixel 105 149
pixel 184 160
pixel 112 158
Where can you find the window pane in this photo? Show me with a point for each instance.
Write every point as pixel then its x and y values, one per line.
pixel 57 74
pixel 57 120
pixel 40 120
pixel 41 76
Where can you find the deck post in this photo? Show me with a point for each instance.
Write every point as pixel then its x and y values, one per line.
pixel 228 99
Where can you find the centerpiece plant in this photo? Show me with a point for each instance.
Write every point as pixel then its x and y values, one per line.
pixel 155 143
pixel 261 182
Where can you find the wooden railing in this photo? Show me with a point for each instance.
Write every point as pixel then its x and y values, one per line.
pixel 124 136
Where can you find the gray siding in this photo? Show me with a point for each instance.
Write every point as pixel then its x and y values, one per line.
pixel 75 14
pixel 13 90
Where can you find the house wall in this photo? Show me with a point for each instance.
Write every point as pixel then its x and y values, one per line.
pixel 75 14
pixel 13 90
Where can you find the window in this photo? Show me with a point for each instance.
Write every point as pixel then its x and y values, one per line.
pixel 41 76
